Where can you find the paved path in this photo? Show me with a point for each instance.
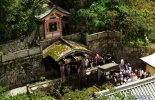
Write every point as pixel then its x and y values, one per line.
pixel 16 91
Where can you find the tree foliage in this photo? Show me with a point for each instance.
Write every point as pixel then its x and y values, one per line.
pixel 17 17
pixel 69 94
pixel 113 15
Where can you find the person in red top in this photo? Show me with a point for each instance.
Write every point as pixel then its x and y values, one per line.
pixel 96 59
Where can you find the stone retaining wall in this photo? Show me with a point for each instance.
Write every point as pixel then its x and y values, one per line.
pixel 21 71
pixel 104 41
pixel 74 37
pixel 21 67
pixel 20 54
pixel 133 54
pixel 21 43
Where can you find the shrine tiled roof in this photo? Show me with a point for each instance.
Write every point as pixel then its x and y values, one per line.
pixel 50 9
pixel 142 89
pixel 62 47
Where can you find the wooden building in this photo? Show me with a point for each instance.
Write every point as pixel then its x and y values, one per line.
pixel 50 26
pixel 61 53
pixel 150 63
pixel 65 52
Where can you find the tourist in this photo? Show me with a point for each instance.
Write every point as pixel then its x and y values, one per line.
pixel 135 78
pixel 144 74
pixel 131 75
pixel 91 61
pixel 122 62
pixel 126 65
pixel 109 58
pixel 68 69
pixel 128 80
pixel 141 73
pixel 121 68
pixel 100 62
pixel 120 78
pixel 148 74
pixel 136 71
pixel 96 59
pixel 129 66
pixel 103 55
pixel 86 63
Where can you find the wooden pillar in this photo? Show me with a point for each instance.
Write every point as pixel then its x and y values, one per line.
pixel 83 72
pixel 60 21
pixel 62 73
pixel 83 67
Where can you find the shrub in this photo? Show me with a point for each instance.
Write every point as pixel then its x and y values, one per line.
pixel 152 38
pixel 140 42
pixel 1 53
pixel 131 43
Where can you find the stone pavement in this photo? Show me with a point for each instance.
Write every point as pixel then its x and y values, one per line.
pixel 16 91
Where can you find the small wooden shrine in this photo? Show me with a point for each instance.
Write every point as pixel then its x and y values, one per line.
pixel 52 22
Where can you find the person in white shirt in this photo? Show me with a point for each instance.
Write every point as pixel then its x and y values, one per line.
pixel 129 67
pixel 86 63
pixel 135 78
pixel 122 61
pixel 121 68
pixel 141 73
pixel 144 74
pixel 127 72
pixel 128 80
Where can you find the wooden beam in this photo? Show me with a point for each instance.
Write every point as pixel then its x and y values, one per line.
pixel 71 59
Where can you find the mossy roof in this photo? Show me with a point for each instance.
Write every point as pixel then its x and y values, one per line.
pixel 59 49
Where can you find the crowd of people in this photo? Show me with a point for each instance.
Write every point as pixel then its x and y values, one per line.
pixel 91 61
pixel 126 74
pixel 97 59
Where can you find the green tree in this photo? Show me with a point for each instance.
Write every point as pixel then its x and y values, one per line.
pixel 114 15
pixel 17 17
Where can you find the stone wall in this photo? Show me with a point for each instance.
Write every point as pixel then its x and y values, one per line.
pixel 21 67
pixel 45 43
pixel 133 54
pixel 74 37
pixel 104 41
pixel 21 71
pixel 21 43
pixel 20 54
